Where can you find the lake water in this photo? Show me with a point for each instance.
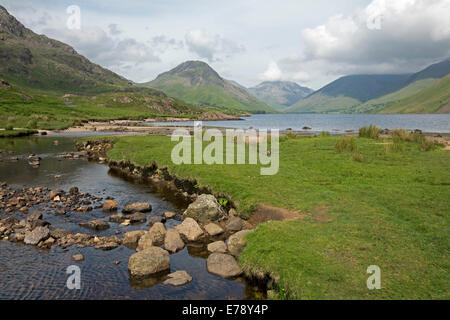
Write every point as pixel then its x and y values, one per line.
pixel 436 123
pixel 27 272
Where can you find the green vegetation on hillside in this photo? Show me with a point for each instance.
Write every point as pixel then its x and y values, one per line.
pixel 434 99
pixel 383 206
pixel 197 83
pixel 321 103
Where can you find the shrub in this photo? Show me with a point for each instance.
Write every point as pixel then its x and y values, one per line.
pixel 32 124
pixel 401 134
pixel 426 145
pixel 396 146
pixel 324 134
pixel 345 144
pixel 371 132
pixel 358 157
pixel 9 127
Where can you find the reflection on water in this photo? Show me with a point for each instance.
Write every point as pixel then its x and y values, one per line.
pixel 31 273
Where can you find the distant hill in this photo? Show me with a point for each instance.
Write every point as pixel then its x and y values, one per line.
pixel 196 82
pixel 280 94
pixel 367 93
pixel 433 99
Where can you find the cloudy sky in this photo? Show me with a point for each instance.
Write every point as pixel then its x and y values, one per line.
pixel 249 41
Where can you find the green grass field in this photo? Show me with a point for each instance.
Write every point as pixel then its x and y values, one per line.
pixel 389 207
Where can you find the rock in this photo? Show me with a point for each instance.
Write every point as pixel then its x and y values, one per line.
pixel 37 235
pixel 110 205
pixel 55 193
pixel 173 241
pixel 125 223
pixel 148 262
pixel 178 278
pixel 107 246
pixel 223 265
pixel 232 212
pixel 154 219
pixel 145 242
pixel 235 224
pixel 60 212
pixel 205 209
pixel 190 229
pixel 169 215
pixel 32 217
pixel 237 242
pixel 73 191
pixel 137 207
pixel 95 225
pixel 213 229
pixel 137 217
pixel 117 218
pixel 218 246
pixel 157 232
pixel 131 238
pixel 78 257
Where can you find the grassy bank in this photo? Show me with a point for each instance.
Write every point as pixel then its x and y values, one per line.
pixel 16 133
pixel 388 206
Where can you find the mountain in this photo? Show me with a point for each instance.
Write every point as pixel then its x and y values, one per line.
pixel 36 61
pixel 196 82
pixel 280 94
pixel 367 93
pixel 433 99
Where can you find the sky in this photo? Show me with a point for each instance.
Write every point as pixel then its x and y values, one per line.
pixel 309 42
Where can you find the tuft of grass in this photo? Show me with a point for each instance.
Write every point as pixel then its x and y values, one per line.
pixel 325 134
pixel 401 134
pixel 358 157
pixel 345 144
pixel 371 132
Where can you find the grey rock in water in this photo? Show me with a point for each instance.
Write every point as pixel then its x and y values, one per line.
pixel 173 241
pixel 137 207
pixel 223 265
pixel 190 229
pixel 178 278
pixel 235 224
pixel 213 229
pixel 205 209
pixel 237 242
pixel 37 235
pixel 95 225
pixel 217 246
pixel 148 262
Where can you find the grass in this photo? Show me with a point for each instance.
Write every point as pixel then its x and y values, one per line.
pixel 371 132
pixel 16 133
pixel 391 210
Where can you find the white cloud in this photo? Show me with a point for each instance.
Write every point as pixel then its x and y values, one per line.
pixel 209 45
pixel 273 72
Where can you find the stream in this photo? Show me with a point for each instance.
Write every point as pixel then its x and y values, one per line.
pixel 27 272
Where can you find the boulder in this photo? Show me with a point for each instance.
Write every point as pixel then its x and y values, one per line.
pixel 237 242
pixel 145 242
pixel 154 219
pixel 117 218
pixel 178 278
pixel 110 205
pixel 34 216
pixel 55 193
pixel 37 235
pixel 131 238
pixel 234 225
pixel 169 215
pixel 218 246
pixel 190 229
pixel 173 241
pixel 148 262
pixel 95 225
pixel 213 229
pixel 223 265
pixel 73 191
pixel 158 233
pixel 138 217
pixel 137 207
pixel 205 209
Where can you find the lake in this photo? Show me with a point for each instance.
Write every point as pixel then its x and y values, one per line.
pixel 435 123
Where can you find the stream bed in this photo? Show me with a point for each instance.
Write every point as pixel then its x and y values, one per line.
pixel 28 272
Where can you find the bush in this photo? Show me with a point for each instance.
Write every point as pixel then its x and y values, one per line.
pixel 32 124
pixel 345 144
pixel 371 132
pixel 401 135
pixel 9 127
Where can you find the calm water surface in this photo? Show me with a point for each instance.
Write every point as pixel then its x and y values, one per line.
pixel 27 272
pixel 436 123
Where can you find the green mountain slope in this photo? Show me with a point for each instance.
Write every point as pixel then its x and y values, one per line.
pixel 366 93
pixel 196 82
pixel 279 94
pixel 434 99
pixel 35 61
